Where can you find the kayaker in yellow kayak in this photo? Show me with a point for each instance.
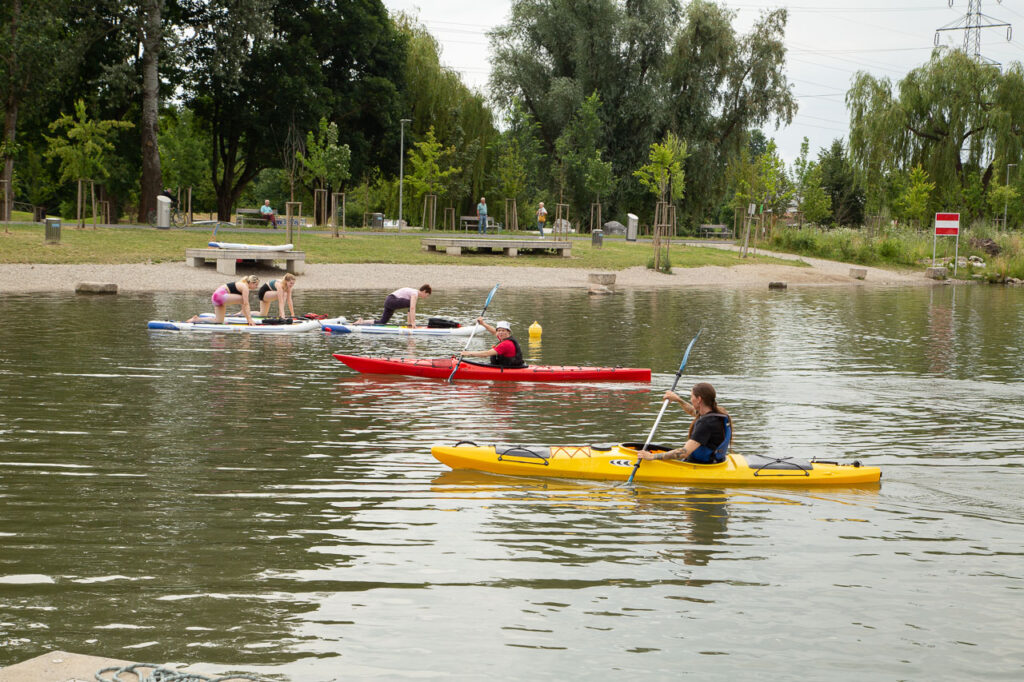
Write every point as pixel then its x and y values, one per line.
pixel 709 431
pixel 505 353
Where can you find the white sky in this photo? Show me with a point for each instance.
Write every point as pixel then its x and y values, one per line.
pixel 827 41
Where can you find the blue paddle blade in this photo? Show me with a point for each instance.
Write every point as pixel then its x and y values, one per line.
pixel 686 355
pixel 491 295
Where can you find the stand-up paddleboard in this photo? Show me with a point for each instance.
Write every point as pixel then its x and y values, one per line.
pixel 237 325
pixel 252 247
pixel 399 330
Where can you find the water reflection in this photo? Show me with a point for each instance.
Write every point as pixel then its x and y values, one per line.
pixel 288 514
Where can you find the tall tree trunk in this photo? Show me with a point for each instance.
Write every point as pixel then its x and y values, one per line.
pixel 10 126
pixel 10 120
pixel 152 40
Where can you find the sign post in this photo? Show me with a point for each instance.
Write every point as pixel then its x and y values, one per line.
pixel 947 224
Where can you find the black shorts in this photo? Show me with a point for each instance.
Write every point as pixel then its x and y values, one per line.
pixel 264 289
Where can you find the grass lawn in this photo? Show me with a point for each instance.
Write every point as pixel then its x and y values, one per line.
pixel 24 243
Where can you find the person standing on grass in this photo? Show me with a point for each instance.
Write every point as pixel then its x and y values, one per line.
pixel 481 216
pixel 542 217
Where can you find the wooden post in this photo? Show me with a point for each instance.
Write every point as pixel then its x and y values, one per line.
pixel 449 218
pixel 4 213
pixel 104 211
pixel 664 226
pixel 429 211
pixel 334 211
pixel 511 215
pixel 319 207
pixel 92 197
pixel 595 208
pixel 190 216
pixel 561 214
pixel 292 236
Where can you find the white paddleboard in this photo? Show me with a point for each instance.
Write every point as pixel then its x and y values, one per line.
pixel 252 247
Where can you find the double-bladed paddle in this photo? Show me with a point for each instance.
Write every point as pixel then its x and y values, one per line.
pixel 468 341
pixel 664 404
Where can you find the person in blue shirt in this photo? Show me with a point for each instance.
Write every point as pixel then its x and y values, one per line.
pixel 481 215
pixel 268 213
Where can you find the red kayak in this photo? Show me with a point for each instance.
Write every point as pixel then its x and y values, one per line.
pixel 441 368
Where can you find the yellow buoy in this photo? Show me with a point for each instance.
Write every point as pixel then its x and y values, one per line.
pixel 535 330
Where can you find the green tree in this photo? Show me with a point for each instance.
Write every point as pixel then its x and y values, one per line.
pixel 575 147
pixel 663 174
pixel 950 115
pixel 1004 198
pixel 33 54
pixel 185 156
pixel 839 181
pixel 82 149
pixel 324 162
pixel 425 159
pixel 811 198
pixel 913 202
pixel 721 84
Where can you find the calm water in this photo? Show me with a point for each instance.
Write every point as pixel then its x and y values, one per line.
pixel 251 502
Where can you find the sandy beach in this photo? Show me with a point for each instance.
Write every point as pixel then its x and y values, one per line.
pixel 180 277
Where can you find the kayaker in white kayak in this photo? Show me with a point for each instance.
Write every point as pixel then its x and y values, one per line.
pixel 232 292
pixel 506 353
pixel 405 297
pixel 708 430
pixel 279 290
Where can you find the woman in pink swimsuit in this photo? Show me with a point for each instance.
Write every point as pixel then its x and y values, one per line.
pixel 232 292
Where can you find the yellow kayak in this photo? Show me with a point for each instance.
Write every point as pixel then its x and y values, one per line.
pixel 615 463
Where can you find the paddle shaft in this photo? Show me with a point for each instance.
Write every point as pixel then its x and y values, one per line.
pixel 664 404
pixel 473 333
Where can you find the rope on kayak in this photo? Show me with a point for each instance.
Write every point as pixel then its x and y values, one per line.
pixel 161 674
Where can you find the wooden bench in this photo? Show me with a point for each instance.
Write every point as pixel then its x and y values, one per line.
pixel 253 215
pixel 226 259
pixel 718 231
pixel 510 247
pixel 468 221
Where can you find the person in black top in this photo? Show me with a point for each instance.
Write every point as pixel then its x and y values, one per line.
pixel 707 431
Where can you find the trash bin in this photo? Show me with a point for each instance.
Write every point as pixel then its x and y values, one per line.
pixel 377 220
pixel 52 230
pixel 163 212
pixel 597 238
pixel 631 225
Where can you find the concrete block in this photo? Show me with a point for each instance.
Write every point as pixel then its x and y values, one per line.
pixel 604 278
pixel 858 273
pixel 936 273
pixel 95 288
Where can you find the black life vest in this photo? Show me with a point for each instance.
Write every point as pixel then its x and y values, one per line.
pixel 505 361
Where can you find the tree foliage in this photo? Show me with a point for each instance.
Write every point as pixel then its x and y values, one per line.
pixel 82 148
pixel 663 174
pixel 950 115
pixel 324 162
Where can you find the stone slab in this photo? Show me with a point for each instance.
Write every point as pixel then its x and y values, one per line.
pixel 95 288
pixel 858 273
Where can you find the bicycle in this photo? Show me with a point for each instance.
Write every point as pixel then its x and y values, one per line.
pixel 178 219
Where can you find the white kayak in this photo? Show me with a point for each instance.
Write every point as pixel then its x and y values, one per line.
pixel 400 330
pixel 237 324
pixel 252 247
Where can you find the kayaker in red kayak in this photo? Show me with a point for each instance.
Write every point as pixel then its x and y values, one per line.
pixel 506 353
pixel 711 427
pixel 405 297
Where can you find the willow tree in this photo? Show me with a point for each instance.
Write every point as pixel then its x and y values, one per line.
pixel 721 84
pixel 952 115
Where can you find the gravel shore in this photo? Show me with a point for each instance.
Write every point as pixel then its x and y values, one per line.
pixel 180 277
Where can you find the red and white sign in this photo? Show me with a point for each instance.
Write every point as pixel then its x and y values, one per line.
pixel 947 223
